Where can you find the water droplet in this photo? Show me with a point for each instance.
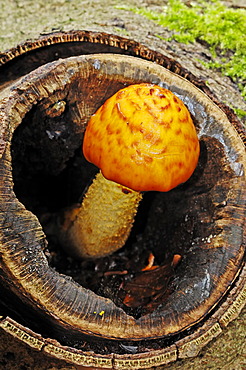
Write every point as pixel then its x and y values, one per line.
pixel 97 64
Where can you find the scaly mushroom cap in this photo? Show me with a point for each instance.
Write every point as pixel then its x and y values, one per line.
pixel 143 138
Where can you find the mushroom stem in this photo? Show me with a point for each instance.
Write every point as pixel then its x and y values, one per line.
pixel 102 223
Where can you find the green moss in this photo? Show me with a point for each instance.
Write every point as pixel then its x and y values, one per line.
pixel 121 31
pixel 240 112
pixel 223 29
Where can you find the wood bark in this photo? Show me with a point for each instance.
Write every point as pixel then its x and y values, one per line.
pixel 191 69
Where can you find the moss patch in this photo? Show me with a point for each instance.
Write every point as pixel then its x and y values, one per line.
pixel 222 29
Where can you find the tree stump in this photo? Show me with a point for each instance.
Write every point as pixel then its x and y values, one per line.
pixel 44 113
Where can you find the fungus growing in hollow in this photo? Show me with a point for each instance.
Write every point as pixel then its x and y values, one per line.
pixel 142 139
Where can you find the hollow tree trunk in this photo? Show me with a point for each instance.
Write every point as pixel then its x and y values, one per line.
pixel 230 340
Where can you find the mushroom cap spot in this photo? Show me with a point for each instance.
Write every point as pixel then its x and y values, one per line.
pixel 143 137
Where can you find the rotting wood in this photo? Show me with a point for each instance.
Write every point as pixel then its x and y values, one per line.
pixel 230 211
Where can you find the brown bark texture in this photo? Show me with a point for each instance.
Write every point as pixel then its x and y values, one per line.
pixel 27 19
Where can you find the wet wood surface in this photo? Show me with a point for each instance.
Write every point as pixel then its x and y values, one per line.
pixel 221 200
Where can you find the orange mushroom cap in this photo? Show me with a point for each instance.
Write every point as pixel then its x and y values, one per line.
pixel 143 138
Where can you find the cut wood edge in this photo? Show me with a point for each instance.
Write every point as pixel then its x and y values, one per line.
pixel 186 348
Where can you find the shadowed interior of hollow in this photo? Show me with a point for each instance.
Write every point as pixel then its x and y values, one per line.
pixel 50 173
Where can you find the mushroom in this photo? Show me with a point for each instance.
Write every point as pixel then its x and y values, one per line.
pixel 142 139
